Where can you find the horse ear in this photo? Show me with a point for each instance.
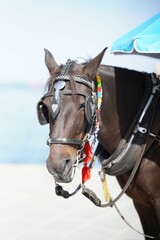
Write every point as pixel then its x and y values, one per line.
pixel 91 67
pixel 50 61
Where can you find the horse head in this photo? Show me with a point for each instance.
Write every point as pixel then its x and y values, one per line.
pixel 69 106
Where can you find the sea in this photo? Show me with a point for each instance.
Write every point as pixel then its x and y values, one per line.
pixel 22 138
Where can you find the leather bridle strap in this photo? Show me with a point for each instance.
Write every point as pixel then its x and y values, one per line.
pixel 64 141
pixel 65 77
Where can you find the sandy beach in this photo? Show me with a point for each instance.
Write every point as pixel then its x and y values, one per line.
pixel 30 210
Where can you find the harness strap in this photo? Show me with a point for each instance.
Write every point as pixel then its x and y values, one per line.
pixel 156 137
pixel 145 235
pixel 64 141
pixel 124 158
pixel 69 92
pixel 67 67
pixel 92 196
pixel 76 79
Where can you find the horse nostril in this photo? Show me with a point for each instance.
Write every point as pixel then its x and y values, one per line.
pixel 59 167
pixel 67 163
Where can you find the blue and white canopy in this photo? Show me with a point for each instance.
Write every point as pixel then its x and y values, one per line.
pixel 144 39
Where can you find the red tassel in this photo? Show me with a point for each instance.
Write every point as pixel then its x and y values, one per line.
pixel 86 174
pixel 85 170
pixel 88 153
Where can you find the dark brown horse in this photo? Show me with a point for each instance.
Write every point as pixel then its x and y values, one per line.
pixel 129 127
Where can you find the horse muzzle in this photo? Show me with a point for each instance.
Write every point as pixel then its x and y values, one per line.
pixel 61 166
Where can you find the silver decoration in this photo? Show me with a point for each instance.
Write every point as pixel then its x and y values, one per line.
pixel 54 107
pixel 58 85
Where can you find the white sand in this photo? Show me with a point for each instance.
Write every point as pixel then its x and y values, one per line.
pixel 30 210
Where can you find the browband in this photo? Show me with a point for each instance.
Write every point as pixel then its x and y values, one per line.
pixel 77 79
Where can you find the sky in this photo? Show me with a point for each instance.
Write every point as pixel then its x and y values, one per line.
pixel 69 29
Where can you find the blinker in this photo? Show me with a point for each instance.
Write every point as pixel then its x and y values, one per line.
pixel 42 113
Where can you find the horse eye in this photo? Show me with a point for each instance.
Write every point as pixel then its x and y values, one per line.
pixel 82 106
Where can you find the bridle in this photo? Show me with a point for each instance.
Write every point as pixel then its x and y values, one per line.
pixel 64 78
pixel 57 91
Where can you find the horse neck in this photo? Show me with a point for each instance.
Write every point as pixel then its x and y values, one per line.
pixel 122 94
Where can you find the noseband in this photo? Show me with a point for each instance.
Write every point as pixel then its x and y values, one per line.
pixel 57 91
